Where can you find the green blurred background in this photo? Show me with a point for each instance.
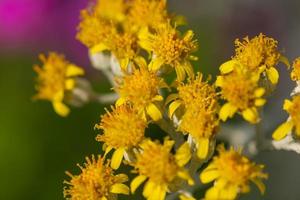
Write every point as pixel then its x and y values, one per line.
pixel 37 146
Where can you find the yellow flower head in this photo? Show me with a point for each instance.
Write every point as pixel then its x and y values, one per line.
pixel 258 51
pixel 141 89
pixel 124 46
pixel 242 93
pixel 293 108
pixel 111 10
pixel 94 31
pixel 123 129
pixel 157 164
pixel 199 100
pixel 56 79
pixel 259 54
pixel 295 74
pixel 202 124
pixel 95 182
pixel 170 48
pixel 231 173
pixel 147 13
pixel 194 89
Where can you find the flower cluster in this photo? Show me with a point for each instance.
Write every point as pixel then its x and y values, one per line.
pixel 137 44
pixel 249 76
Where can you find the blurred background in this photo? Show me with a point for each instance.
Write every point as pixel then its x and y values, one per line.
pixel 37 146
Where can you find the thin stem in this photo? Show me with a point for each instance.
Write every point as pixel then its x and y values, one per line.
pixel 167 126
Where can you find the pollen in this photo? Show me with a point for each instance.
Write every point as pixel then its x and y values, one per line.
pixel 197 89
pixel 96 181
pixel 295 74
pixel 122 127
pixel 232 174
pixel 256 52
pixel 170 47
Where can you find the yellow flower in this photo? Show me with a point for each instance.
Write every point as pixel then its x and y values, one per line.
pixel 56 80
pixel 188 93
pixel 259 54
pixel 202 124
pixel 94 31
pixel 156 164
pixel 231 173
pixel 147 13
pixel 96 182
pixel 111 10
pixel 170 48
pixel 124 46
pixel 200 120
pixel 293 108
pixel 242 93
pixel 141 89
pixel 123 129
pixel 295 74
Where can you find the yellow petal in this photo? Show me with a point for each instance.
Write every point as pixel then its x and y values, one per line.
pixel 188 35
pixel 229 193
pixel 69 84
pixel 140 61
pixel 273 75
pixel 285 61
pixel 136 182
pixel 158 193
pixel 251 115
pixel 98 48
pixel 209 175
pixel 183 154
pixel 107 150
pixel 184 197
pixel 117 158
pixel 228 66
pixel 259 92
pixel 188 69
pixel 153 112
pixel 259 102
pixel 119 188
pixel 186 176
pixel 148 189
pixel 60 108
pixel 219 81
pixel 157 98
pixel 121 178
pixel 283 130
pixel 173 107
pixel 261 186
pixel 124 63
pixel 120 101
pixel 287 104
pixel 171 97
pixel 203 147
pixel 73 70
pixel 212 194
pixel 180 72
pixel 226 111
pixel 155 64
